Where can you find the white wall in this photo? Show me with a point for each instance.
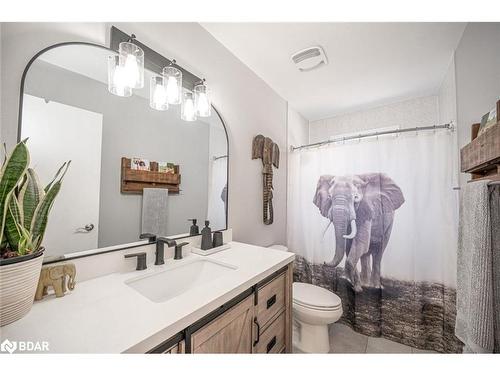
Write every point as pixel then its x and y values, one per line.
pixel 297 134
pixel 246 103
pixel 447 101
pixel 409 113
pixel 298 128
pixel 447 97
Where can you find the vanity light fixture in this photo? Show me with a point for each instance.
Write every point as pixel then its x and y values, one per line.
pixel 188 111
pixel 202 99
pixel 126 73
pixel 158 93
pixel 117 83
pixel 132 61
pixel 173 77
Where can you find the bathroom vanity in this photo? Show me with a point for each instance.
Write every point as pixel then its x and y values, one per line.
pixel 236 301
pixel 256 321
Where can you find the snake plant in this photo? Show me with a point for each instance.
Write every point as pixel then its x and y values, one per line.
pixel 24 203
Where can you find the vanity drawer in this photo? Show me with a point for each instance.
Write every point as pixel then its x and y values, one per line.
pixel 272 340
pixel 270 300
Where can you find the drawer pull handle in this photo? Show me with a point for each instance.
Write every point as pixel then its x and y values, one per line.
pixel 258 331
pixel 271 301
pixel 271 344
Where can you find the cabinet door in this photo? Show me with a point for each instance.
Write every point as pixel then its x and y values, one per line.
pixel 229 333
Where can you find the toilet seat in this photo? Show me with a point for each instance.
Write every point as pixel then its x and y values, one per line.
pixel 315 298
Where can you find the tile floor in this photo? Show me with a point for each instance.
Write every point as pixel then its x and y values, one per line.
pixel 344 340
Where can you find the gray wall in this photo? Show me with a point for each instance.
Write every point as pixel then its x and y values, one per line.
pixel 247 104
pixel 477 64
pixel 471 85
pixel 132 129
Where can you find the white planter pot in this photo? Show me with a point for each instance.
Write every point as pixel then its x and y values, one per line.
pixel 18 282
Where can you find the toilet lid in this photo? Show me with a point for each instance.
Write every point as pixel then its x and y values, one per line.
pixel 314 296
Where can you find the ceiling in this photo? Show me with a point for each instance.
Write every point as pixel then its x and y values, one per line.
pixel 370 64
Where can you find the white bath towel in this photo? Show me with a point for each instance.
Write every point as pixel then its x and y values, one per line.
pixel 475 309
pixel 154 211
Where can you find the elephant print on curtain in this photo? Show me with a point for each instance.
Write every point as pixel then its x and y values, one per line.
pixel 361 209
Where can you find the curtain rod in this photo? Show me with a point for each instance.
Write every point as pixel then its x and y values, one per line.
pixel 373 134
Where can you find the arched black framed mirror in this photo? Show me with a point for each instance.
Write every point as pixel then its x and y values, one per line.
pixel 68 113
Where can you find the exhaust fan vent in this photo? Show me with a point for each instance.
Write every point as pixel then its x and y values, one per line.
pixel 309 58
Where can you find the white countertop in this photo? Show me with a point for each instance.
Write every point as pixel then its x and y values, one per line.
pixel 104 315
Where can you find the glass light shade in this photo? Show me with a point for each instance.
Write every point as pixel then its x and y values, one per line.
pixel 158 94
pixel 132 61
pixel 202 100
pixel 117 83
pixel 188 110
pixel 173 77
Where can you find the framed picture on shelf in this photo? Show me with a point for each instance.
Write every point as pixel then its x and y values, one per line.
pixel 165 167
pixel 140 164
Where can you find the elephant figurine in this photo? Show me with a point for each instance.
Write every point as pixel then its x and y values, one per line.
pixel 265 149
pixel 57 277
pixel 361 210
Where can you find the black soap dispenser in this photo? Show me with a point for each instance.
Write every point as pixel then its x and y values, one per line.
pixel 206 236
pixel 194 230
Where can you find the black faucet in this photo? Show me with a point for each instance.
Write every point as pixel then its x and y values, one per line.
pixel 141 260
pixel 178 250
pixel 160 249
pixel 151 237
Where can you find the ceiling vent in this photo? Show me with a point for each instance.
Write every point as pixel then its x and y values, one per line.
pixel 309 58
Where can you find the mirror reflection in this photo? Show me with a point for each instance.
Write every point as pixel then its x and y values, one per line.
pixel 119 146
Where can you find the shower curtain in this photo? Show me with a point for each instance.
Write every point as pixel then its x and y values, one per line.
pixel 375 221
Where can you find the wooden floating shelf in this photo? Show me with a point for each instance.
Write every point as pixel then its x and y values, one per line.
pixel 133 181
pixel 481 157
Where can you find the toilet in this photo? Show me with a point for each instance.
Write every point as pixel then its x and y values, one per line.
pixel 314 308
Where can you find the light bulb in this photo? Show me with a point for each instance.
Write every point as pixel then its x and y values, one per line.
pixel 173 77
pixel 131 71
pixel 172 90
pixel 117 80
pixel 158 94
pixel 202 107
pixel 202 100
pixel 188 112
pixel 132 61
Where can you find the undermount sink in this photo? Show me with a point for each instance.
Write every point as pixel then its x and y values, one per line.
pixel 166 284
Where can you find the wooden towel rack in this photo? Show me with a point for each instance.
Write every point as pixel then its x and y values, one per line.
pixel 133 181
